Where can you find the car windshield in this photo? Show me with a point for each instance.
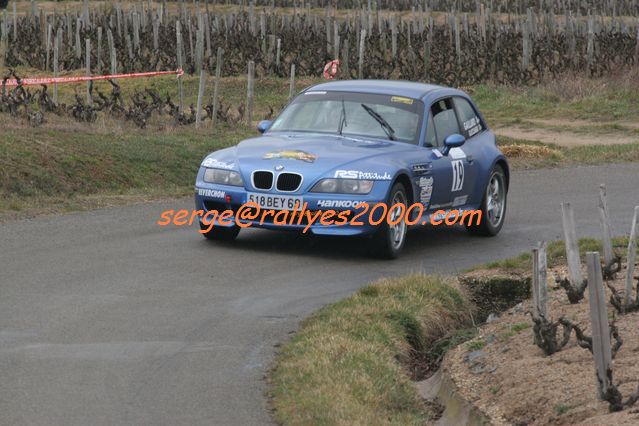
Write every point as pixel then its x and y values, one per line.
pixel 354 114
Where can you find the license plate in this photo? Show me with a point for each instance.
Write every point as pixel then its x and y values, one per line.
pixel 275 202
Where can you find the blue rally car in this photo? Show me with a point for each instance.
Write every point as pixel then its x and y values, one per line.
pixel 340 143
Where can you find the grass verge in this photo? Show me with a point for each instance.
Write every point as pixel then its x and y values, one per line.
pixel 49 170
pixel 527 154
pixel 555 253
pixel 347 363
pixel 353 362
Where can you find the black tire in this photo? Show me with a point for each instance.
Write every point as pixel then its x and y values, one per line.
pixel 220 233
pixel 491 220
pixel 384 242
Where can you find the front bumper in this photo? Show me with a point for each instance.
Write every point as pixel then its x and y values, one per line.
pixel 221 197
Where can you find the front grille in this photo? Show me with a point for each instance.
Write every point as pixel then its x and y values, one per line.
pixel 288 182
pixel 263 180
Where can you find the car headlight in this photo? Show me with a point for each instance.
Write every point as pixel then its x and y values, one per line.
pixel 223 177
pixel 343 186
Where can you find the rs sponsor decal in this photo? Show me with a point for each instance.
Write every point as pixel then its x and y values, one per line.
pixel 458 175
pixel 210 193
pixel 355 174
pixel 338 203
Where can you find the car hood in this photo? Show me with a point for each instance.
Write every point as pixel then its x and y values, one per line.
pixel 314 156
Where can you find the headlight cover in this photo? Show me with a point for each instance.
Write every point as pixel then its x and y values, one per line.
pixel 223 177
pixel 343 186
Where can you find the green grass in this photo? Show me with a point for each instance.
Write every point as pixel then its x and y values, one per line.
pixel 571 97
pixel 439 348
pixel 347 363
pixel 514 330
pixel 57 169
pixel 476 345
pixel 520 326
pixel 555 253
pixel 561 409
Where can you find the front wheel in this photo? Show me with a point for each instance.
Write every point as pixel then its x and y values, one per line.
pixel 220 233
pixel 389 240
pixel 493 205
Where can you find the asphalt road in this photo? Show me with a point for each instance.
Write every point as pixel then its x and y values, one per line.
pixel 107 318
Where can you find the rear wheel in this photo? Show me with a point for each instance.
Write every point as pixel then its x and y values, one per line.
pixel 493 205
pixel 389 240
pixel 220 233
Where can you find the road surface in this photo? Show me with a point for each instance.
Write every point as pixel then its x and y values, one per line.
pixel 108 319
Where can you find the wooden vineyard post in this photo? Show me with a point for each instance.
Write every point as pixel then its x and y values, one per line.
pixel 114 60
pixel 393 37
pixel 216 85
pixel 336 40
pixel 572 249
pixel 200 95
pixel 278 53
pixel 56 66
pixel 539 282
pixel 291 87
pixel 632 256
pixel 606 229
pixel 249 93
pixel 180 62
pixel 525 48
pixel 360 63
pixel 591 42
pixel 3 39
pixel 78 42
pixel 601 349
pixel 15 23
pixel 457 40
pixel 98 63
pixel 346 70
pixel 48 46
pixel 87 43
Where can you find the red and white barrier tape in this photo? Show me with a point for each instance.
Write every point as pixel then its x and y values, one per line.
pixel 331 69
pixel 76 79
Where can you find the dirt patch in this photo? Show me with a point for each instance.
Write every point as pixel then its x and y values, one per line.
pixel 509 379
pixel 529 151
pixel 584 123
pixel 565 138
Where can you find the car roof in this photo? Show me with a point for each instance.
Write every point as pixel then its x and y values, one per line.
pixel 380 87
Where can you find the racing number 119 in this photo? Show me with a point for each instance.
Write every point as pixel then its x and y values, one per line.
pixel 458 175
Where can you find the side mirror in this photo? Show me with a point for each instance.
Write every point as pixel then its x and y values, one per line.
pixel 264 125
pixel 453 141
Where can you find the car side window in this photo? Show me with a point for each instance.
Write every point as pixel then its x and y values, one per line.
pixel 470 122
pixel 431 138
pixel 444 119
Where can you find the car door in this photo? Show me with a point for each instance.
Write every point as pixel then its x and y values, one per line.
pixel 431 171
pixel 472 128
pixel 448 171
